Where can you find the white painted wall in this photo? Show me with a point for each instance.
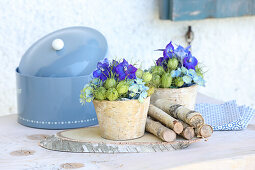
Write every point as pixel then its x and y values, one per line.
pixel 133 30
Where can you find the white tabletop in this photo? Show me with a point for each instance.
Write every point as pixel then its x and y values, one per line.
pixel 224 150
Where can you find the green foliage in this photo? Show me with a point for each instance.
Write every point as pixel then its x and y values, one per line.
pixel 199 71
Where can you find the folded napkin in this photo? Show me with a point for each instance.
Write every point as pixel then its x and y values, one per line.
pixel 226 116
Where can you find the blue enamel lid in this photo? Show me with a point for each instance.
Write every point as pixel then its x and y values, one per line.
pixel 68 52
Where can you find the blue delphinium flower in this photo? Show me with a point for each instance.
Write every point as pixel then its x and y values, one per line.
pixel 190 62
pixel 124 69
pixel 114 65
pixel 103 71
pixel 169 51
pixel 181 52
pixel 159 61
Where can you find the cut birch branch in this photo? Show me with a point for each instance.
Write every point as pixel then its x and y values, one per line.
pixel 165 118
pixel 190 117
pixel 204 131
pixel 188 131
pixel 160 130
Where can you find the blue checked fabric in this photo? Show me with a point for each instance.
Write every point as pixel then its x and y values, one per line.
pixel 226 116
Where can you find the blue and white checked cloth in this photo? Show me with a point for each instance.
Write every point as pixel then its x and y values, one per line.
pixel 226 116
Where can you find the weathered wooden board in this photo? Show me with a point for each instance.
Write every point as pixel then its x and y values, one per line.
pixel 178 10
pixel 88 140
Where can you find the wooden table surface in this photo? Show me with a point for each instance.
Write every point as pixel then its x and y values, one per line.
pixel 224 150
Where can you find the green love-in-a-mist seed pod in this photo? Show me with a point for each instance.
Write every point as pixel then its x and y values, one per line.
pixel 110 83
pixel 100 93
pixel 158 70
pixel 166 80
pixel 112 94
pixel 156 80
pixel 172 63
pixel 178 81
pixel 147 77
pixel 122 87
pixel 139 73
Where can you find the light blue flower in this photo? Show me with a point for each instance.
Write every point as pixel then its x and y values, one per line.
pixel 145 88
pixel 134 88
pixel 187 79
pixel 176 73
pixel 192 73
pixel 184 71
pixel 137 90
pixel 139 81
pixel 142 96
pixel 96 82
pixel 199 80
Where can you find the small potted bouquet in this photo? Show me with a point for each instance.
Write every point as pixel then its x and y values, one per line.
pixel 176 76
pixel 121 99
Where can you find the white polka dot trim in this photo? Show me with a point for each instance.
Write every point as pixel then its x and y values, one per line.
pixel 57 123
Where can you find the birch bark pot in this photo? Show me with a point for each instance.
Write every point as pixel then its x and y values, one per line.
pixel 185 96
pixel 122 120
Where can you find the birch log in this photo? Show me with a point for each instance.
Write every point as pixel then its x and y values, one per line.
pixel 204 131
pixel 188 131
pixel 190 117
pixel 166 119
pixel 160 130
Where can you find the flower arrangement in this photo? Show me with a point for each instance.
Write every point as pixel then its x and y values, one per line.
pixel 116 80
pixel 177 68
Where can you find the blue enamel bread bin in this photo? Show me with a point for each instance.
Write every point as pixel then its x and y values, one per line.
pixel 51 74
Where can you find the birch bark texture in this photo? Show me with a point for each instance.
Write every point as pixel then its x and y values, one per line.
pixel 185 96
pixel 178 111
pixel 88 140
pixel 165 118
pixel 160 130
